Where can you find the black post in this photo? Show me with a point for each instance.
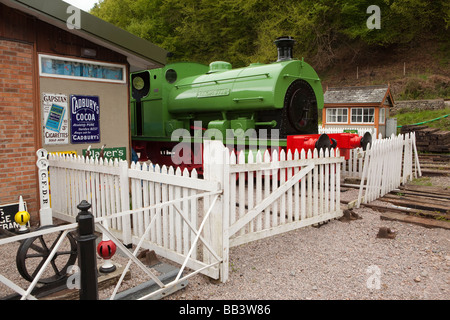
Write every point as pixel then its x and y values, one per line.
pixel 87 259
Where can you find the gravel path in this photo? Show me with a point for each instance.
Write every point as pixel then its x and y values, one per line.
pixel 337 261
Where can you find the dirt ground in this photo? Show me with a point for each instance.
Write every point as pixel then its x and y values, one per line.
pixel 336 261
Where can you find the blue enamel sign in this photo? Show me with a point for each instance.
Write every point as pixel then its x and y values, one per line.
pixel 85 119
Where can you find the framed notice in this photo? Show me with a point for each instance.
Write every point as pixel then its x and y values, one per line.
pixel 7 215
pixel 79 69
pixel 56 123
pixel 84 119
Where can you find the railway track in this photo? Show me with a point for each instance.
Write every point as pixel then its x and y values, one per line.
pixel 428 206
pixel 434 164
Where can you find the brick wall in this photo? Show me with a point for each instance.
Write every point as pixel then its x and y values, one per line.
pixel 17 141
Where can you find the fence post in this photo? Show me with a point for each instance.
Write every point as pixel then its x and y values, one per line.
pixel 45 212
pixel 125 200
pixel 214 163
pixel 87 259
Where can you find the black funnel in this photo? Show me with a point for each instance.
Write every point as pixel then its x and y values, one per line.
pixel 284 46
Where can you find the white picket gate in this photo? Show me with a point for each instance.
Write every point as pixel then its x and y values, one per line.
pixel 195 221
pixel 265 194
pixel 102 183
pixel 179 212
pixel 388 163
pixel 167 199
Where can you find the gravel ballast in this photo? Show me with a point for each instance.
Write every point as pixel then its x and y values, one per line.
pixel 336 261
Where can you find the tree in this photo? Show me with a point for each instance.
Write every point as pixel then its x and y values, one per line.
pixel 243 31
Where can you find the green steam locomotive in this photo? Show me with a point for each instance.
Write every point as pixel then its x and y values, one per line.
pixel 281 99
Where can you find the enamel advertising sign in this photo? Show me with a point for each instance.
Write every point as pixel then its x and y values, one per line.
pixel 85 119
pixel 56 123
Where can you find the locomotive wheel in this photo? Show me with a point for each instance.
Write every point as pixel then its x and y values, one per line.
pixel 300 114
pixel 33 253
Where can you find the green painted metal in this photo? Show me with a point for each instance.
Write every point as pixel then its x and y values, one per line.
pixel 254 88
pixel 220 97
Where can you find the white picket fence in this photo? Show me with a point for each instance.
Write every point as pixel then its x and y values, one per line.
pixel 167 199
pixel 240 199
pixel 102 183
pixel 388 163
pixel 194 222
pixel 281 192
pixel 260 196
pixel 340 129
pixel 353 167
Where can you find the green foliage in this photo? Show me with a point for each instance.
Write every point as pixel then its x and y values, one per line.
pixel 411 117
pixel 425 87
pixel 243 31
pixel 423 181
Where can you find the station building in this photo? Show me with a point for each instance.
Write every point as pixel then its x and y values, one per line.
pixel 358 108
pixel 64 86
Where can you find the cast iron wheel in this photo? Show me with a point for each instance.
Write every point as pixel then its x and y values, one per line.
pixel 300 109
pixel 33 253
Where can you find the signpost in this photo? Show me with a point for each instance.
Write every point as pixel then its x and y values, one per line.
pixel 45 212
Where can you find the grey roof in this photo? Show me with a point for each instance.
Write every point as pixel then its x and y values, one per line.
pixel 141 53
pixel 366 94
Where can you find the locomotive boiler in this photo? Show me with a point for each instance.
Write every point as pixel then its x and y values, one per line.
pixel 279 99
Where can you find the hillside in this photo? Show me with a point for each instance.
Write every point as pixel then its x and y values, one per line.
pixel 419 72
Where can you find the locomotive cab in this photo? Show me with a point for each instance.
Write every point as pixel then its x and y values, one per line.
pixel 149 88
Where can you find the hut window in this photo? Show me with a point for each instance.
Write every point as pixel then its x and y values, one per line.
pixel 337 115
pixel 382 115
pixel 363 115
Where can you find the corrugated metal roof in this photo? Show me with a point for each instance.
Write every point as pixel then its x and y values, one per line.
pixel 366 94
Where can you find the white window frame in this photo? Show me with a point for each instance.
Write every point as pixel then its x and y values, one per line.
pixel 42 73
pixel 337 112
pixel 382 116
pixel 362 115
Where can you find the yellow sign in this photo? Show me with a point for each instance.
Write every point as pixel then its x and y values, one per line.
pixel 65 152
